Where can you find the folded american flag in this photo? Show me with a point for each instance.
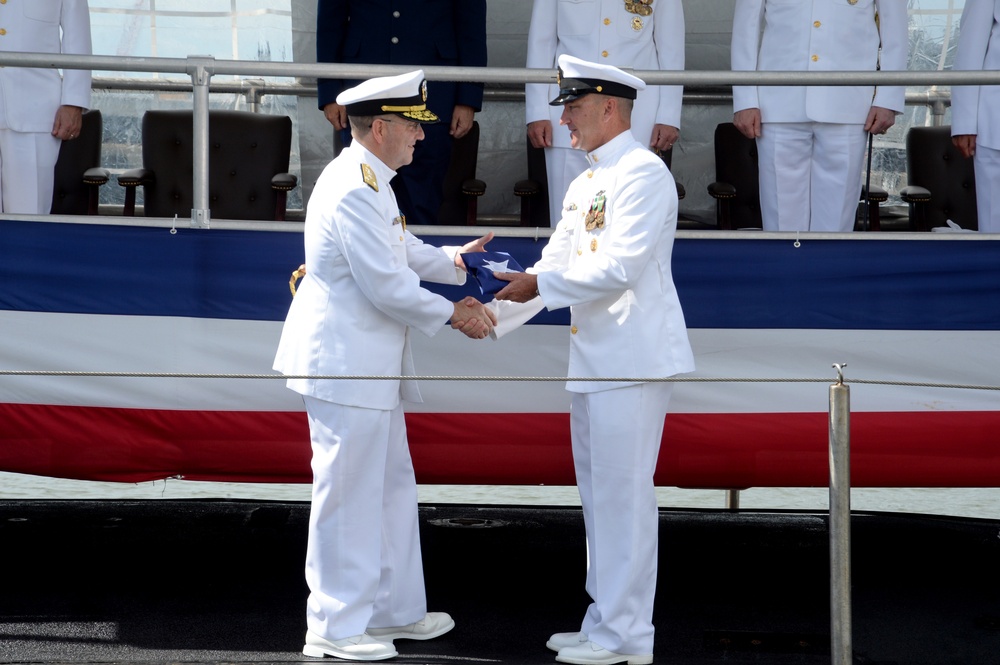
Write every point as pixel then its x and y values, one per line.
pixel 483 265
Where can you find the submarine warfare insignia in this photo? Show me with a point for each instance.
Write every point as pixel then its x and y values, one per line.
pixel 637 24
pixel 369 177
pixel 595 218
pixel 641 7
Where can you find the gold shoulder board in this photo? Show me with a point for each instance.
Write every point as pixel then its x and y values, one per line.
pixel 369 176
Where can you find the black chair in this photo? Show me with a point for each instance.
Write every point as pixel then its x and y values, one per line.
pixel 534 191
pixel 736 189
pixel 462 190
pixel 247 172
pixel 941 182
pixel 78 175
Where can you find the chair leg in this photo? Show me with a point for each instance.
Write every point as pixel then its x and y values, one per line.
pixel 723 215
pixel 93 195
pixel 280 205
pixel 471 211
pixel 525 211
pixel 129 209
pixel 874 218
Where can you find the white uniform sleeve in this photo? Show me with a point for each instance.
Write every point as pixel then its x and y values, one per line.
pixel 668 36
pixel 747 20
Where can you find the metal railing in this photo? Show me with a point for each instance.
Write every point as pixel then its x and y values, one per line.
pixel 201 69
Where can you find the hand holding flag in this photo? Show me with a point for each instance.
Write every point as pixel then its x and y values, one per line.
pixel 484 266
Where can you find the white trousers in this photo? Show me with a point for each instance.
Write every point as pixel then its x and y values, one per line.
pixel 562 166
pixel 27 171
pixel 810 175
pixel 616 440
pixel 987 163
pixel 363 564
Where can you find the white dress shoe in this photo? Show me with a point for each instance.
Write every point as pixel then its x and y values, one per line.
pixel 589 653
pixel 434 624
pixel 359 647
pixel 562 640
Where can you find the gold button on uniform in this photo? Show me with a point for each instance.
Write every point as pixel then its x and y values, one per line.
pixel 3 31
pixel 604 54
pixel 573 330
pixel 607 21
pixel 815 58
pixel 816 24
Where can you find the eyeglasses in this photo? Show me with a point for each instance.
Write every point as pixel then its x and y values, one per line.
pixel 409 124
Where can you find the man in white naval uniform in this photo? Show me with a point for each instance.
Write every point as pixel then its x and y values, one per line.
pixel 639 34
pixel 351 316
pixel 608 260
pixel 811 140
pixel 975 118
pixel 39 108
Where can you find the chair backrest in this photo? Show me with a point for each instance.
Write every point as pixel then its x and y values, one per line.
pixel 736 164
pixel 70 195
pixel 461 167
pixel 538 174
pixel 245 151
pixel 934 163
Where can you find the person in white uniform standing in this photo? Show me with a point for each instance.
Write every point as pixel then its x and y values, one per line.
pixel 39 108
pixel 975 119
pixel 639 34
pixel 608 260
pixel 352 315
pixel 811 140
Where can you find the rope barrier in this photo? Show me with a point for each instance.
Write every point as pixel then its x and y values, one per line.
pixel 508 379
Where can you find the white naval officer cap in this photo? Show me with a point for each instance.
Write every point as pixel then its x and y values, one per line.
pixel 404 95
pixel 578 78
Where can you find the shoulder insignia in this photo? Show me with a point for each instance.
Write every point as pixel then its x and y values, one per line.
pixel 369 176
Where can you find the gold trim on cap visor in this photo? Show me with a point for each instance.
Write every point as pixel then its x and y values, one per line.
pixel 424 116
pixel 403 109
pixel 418 112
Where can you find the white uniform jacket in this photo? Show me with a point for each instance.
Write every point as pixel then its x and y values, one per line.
pixel 626 318
pixel 361 293
pixel 974 109
pixel 31 96
pixel 818 36
pixel 603 31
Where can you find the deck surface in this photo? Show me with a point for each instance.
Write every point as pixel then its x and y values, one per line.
pixel 221 581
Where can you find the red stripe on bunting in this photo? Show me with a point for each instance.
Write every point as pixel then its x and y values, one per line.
pixel 915 449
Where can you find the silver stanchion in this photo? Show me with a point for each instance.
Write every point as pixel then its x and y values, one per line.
pixel 840 520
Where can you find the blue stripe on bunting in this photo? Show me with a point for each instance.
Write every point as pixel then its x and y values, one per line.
pixel 723 283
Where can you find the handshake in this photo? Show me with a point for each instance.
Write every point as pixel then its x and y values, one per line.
pixel 473 318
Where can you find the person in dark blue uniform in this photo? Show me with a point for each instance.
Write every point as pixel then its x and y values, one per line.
pixel 409 32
